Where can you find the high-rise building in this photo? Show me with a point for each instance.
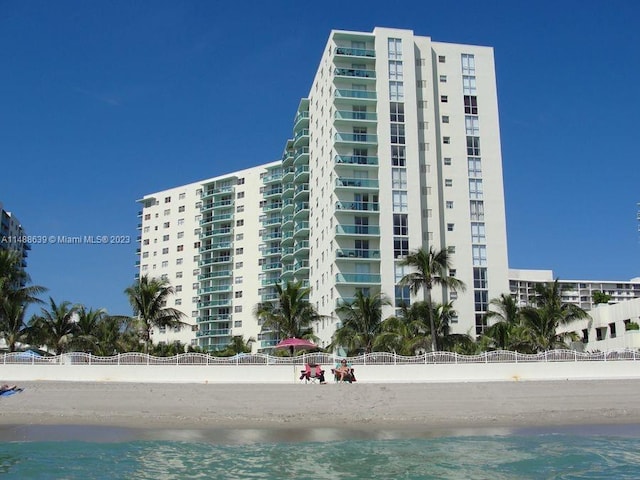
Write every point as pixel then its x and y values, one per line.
pixel 396 147
pixel 12 235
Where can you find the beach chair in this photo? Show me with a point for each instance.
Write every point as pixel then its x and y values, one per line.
pixel 312 373
pixel 350 376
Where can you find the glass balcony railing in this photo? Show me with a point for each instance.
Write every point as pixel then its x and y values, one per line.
pixel 357 230
pixel 216 274
pixel 356 182
pixel 356 137
pixel 357 253
pixel 359 206
pixel 362 94
pixel 221 332
pixel 355 52
pixel 357 278
pixel 356 160
pixel 215 288
pixel 354 72
pixel 349 115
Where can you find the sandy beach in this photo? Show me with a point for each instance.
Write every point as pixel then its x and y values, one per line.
pixel 361 406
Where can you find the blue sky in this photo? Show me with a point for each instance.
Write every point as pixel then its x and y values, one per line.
pixel 102 102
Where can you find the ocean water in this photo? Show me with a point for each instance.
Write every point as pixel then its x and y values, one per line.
pixel 581 453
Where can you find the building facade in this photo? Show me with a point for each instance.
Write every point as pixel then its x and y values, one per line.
pixel 13 235
pixel 396 147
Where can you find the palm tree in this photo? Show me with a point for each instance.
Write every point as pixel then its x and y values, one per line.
pixel 148 298
pixel 504 332
pixel 443 314
pixel 236 346
pixel 116 333
pixel 85 338
pixel 54 327
pixel 15 297
pixel 362 322
pixel 406 332
pixel 291 315
pixel 431 268
pixel 550 312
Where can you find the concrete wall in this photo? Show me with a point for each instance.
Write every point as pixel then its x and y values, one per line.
pixel 414 373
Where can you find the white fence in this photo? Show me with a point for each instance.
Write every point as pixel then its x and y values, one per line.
pixel 376 358
pixel 371 368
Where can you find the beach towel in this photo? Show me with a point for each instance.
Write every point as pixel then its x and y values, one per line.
pixel 7 393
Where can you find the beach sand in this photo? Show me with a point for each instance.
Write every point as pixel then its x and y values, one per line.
pixel 360 406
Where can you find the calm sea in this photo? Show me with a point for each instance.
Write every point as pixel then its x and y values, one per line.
pixel 578 453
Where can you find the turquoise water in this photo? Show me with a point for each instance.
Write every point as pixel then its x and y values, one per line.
pixel 525 455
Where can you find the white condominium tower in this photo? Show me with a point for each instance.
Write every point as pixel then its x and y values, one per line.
pixel 396 147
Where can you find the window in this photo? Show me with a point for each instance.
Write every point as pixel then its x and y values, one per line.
pixel 447 160
pixel 395 48
pixel 179 261
pixel 240 194
pixel 180 234
pixel 147 216
pixel 475 188
pixel 178 274
pixel 165 238
pixel 444 98
pixel 360 134
pixel 397 111
pixel 446 140
pixel 396 91
pixel 237 309
pixel 167 199
pixel 445 118
pixel 469 85
pixel 471 125
pixel 180 248
pixel 400 201
pixel 180 221
pixel 165 264
pixel 449 227
pixel 181 196
pixel 399 178
pixel 468 64
pixel 166 225
pixel 240 181
pixel 239 236
pixel 471 104
pixel 477 210
pixel 400 224
pixel 240 208
pixel 239 223
pixel 443 79
pixel 448 182
pixel 397 133
pixel 475 168
pixel 403 296
pixel 449 204
pixel 451 249
pixel 395 70
pixel 473 146
pixel 479 255
pixel 442 58
pixel 481 300
pixel 398 156
pixel 478 233
pixel 239 280
pixel 612 330
pixel 167 212
pixel 165 250
pixel 400 247
pixel 238 294
pixel 479 278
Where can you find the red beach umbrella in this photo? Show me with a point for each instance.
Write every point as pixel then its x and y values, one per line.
pixel 294 343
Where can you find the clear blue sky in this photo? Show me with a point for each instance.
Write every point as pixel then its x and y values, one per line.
pixel 102 102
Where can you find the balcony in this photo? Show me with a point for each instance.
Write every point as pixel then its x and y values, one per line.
pixel 358 230
pixel 363 96
pixel 355 73
pixel 287 174
pixel 221 332
pixel 302 191
pixel 301 154
pixel 286 253
pixel 302 173
pixel 217 191
pixel 270 281
pixel 355 160
pixel 287 237
pixel 273 191
pixel 357 183
pixel 274 177
pixel 358 206
pixel 356 138
pixel 221 203
pixel 216 260
pixel 268 252
pixel 216 274
pixel 272 221
pixel 223 317
pixel 357 278
pixel 271 266
pixel 272 236
pixel 302 118
pixel 355 52
pixel 358 253
pixel 215 289
pixel 301 267
pixel 272 206
pixel 216 232
pixel 225 302
pixel 356 117
pixel 301 229
pixel 215 246
pixel 301 248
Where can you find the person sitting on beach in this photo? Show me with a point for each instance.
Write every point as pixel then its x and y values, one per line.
pixel 9 388
pixel 343 372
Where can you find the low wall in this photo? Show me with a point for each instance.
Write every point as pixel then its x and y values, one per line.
pixel 412 373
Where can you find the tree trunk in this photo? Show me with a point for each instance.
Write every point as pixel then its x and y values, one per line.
pixel 432 323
